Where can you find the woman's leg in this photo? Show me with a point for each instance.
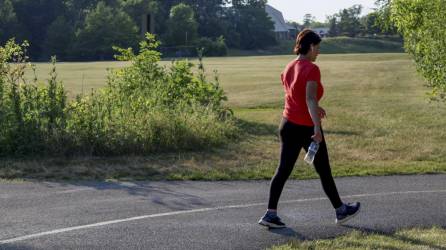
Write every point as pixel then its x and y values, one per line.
pixel 322 165
pixel 290 148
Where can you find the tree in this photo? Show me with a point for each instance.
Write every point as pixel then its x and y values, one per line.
pixel 384 17
pixel 182 26
pixel 333 25
pixel 137 8
pixel 8 22
pixel 346 22
pixel 34 18
pixel 423 26
pixel 210 15
pixel 49 25
pixel 308 20
pixel 252 23
pixel 349 24
pixel 104 27
pixel 59 39
pixel 316 24
pixel 370 24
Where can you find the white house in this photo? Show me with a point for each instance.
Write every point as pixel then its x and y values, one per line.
pixel 281 28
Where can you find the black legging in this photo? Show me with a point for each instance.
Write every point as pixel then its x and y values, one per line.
pixel 293 137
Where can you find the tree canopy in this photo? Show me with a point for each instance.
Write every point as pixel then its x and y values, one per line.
pixel 187 31
pixel 104 27
pixel 423 26
pixel 87 29
pixel 346 22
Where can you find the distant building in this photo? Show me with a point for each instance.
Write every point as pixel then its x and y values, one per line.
pixel 323 32
pixel 281 28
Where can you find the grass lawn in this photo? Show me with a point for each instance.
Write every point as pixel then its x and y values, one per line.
pixel 379 123
pixel 409 239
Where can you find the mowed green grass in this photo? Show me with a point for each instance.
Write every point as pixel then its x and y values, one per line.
pixel 379 122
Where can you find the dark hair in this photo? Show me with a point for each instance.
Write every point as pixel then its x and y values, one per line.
pixel 303 41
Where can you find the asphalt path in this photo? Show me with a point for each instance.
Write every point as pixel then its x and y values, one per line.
pixel 206 215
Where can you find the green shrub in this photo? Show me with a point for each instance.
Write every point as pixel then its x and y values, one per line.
pixel 212 48
pixel 32 117
pixel 145 108
pixel 206 46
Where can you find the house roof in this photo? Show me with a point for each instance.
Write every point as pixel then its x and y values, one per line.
pixel 279 22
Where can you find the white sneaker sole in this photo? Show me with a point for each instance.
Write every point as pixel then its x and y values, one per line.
pixel 339 222
pixel 270 225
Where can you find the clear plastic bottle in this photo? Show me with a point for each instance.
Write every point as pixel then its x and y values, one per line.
pixel 311 153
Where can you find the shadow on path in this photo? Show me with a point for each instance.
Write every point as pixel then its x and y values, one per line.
pixel 287 232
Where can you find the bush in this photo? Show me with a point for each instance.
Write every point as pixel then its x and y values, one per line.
pixel 212 48
pixel 206 46
pixel 144 109
pixel 32 118
pixel 148 108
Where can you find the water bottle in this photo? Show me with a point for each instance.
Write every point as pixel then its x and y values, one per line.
pixel 312 150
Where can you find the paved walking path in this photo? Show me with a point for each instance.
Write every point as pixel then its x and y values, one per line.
pixel 205 215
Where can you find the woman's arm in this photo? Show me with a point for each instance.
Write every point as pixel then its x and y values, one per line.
pixel 314 109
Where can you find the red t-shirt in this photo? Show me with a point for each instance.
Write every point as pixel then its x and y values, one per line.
pixel 294 80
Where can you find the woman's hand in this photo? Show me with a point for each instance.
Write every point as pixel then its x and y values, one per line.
pixel 317 137
pixel 321 112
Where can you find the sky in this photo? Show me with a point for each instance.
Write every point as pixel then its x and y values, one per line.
pixel 294 10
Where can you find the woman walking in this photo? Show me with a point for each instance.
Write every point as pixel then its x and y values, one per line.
pixel 301 124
